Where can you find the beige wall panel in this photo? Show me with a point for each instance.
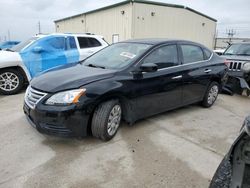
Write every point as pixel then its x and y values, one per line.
pixel 105 22
pixel 111 21
pixel 169 22
pixel 72 25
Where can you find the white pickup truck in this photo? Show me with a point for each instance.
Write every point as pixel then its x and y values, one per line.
pixel 42 52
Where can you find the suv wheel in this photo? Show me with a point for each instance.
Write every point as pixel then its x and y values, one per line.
pixel 106 120
pixel 211 95
pixel 11 81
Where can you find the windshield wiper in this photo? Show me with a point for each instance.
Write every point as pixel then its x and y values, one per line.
pixel 228 54
pixel 95 66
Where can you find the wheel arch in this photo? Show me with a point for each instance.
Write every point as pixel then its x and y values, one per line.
pixel 18 68
pixel 125 105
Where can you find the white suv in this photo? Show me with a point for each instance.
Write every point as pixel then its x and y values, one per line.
pixel 42 52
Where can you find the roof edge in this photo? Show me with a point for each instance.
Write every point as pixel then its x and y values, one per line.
pixel 138 1
pixel 95 10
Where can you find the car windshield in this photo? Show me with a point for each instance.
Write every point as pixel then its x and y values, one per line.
pixel 23 44
pixel 238 49
pixel 117 56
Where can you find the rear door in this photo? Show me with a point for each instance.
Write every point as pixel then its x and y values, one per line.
pixel 88 46
pixel 196 72
pixel 71 52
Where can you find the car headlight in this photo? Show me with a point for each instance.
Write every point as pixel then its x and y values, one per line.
pixel 66 97
pixel 246 67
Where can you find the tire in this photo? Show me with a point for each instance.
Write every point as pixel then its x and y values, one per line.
pixel 223 175
pixel 11 81
pixel 211 95
pixel 104 125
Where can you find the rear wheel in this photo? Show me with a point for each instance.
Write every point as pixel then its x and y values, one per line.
pixel 106 120
pixel 11 81
pixel 211 95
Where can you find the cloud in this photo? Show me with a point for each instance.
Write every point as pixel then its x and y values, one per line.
pixel 21 16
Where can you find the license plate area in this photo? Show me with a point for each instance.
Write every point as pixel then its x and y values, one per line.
pixel 26 109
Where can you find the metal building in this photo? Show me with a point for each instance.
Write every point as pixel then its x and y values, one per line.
pixel 142 19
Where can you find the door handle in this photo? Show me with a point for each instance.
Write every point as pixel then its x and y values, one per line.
pixel 90 51
pixel 207 70
pixel 177 77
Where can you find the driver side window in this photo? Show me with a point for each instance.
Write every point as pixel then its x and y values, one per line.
pixel 54 44
pixel 163 57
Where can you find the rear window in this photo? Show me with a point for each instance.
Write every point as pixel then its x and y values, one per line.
pixel 191 53
pixel 71 43
pixel 88 42
pixel 207 53
pixel 93 42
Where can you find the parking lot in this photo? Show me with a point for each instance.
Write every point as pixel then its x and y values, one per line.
pixel 181 148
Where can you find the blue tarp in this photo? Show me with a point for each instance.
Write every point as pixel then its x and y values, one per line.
pixel 49 52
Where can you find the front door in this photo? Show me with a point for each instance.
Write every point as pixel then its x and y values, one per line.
pixel 161 90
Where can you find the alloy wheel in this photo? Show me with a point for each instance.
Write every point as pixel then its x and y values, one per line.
pixel 212 95
pixel 114 120
pixel 8 81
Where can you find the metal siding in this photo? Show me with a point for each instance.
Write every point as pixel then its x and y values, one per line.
pixel 170 22
pixel 72 25
pixel 105 22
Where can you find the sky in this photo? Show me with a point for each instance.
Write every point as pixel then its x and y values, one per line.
pixel 19 18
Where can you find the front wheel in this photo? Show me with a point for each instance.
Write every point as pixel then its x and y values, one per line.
pixel 11 81
pixel 211 95
pixel 223 175
pixel 106 120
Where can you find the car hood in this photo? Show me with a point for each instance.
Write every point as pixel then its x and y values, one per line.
pixel 7 56
pixel 236 57
pixel 69 77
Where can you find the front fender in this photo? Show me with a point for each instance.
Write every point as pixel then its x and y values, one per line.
pixel 13 59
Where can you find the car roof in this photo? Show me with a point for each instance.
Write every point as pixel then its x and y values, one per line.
pixel 156 41
pixel 241 42
pixel 70 34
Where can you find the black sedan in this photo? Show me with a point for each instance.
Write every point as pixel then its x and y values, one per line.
pixel 129 80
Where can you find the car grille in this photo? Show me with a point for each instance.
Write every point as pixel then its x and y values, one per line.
pixel 235 65
pixel 32 97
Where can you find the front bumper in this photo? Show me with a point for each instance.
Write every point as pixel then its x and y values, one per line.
pixel 237 82
pixel 69 121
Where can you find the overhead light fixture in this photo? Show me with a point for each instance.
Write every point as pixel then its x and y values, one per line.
pixel 152 13
pixel 122 12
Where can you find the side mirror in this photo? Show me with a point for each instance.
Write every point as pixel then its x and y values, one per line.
pixel 38 49
pixel 149 67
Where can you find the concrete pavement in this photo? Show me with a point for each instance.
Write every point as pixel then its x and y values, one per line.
pixel 181 148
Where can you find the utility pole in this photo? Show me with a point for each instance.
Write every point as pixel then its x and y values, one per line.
pixel 215 39
pixel 39 27
pixel 230 34
pixel 9 35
